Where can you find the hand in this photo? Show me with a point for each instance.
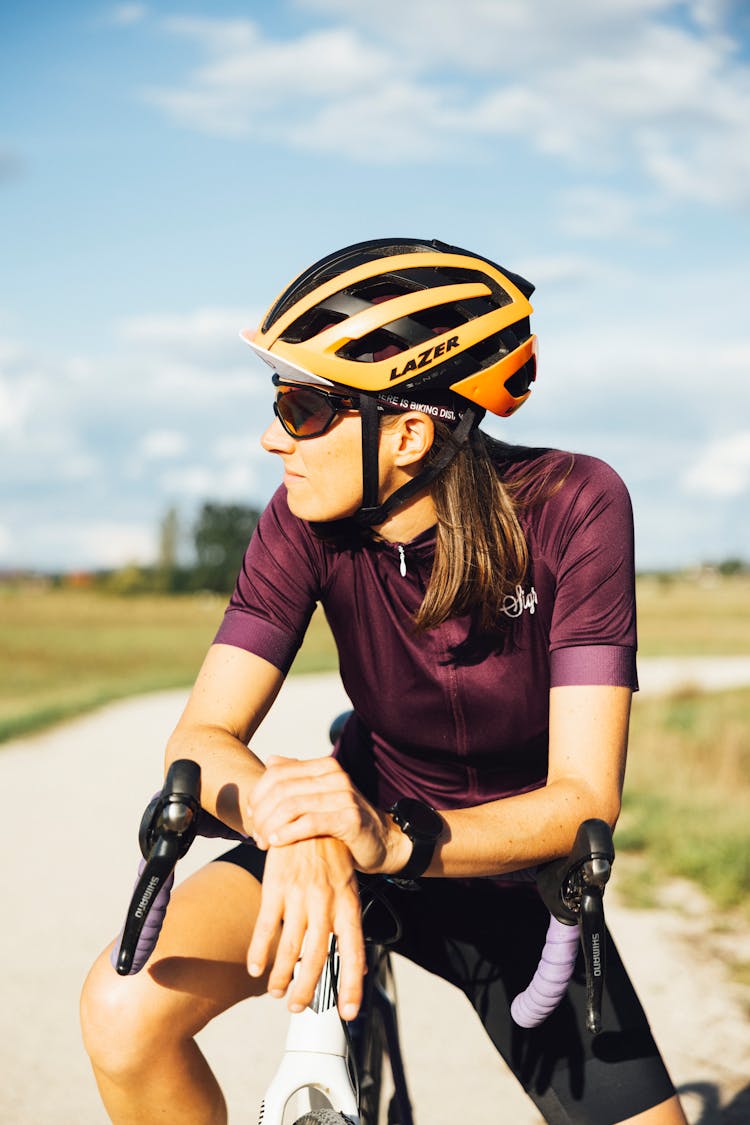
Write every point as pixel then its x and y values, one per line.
pixel 303 800
pixel 312 888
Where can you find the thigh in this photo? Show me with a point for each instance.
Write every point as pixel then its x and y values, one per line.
pixel 487 941
pixel 198 968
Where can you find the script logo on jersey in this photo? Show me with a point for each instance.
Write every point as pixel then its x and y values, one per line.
pixel 515 604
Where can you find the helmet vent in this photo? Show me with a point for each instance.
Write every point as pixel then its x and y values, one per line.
pixel 311 323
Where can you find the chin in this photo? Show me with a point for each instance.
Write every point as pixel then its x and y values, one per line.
pixel 313 511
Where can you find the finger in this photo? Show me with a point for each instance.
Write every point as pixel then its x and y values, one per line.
pixel 288 952
pixel 266 930
pixel 322 764
pixel 336 822
pixel 351 945
pixel 309 969
pixel 285 803
pixel 280 771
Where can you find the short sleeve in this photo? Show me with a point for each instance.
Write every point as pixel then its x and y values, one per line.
pixel 593 629
pixel 276 590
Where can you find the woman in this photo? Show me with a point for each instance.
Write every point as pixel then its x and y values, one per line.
pixel 481 597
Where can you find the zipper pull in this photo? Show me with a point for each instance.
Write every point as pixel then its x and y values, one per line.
pixel 402 562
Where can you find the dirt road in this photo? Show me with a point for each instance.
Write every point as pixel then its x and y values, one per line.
pixel 73 797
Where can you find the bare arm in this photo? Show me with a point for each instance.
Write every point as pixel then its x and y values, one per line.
pixel 310 887
pixel 588 741
pixel 232 694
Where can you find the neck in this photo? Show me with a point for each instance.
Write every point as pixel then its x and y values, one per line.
pixel 409 521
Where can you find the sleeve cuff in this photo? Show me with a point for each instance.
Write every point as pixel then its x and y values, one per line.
pixel 260 637
pixel 594 664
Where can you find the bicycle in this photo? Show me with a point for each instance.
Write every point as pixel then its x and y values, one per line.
pixel 331 1073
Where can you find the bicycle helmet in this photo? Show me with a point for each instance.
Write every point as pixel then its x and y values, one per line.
pixel 407 321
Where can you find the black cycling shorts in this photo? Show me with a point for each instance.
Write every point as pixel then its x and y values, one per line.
pixel 486 939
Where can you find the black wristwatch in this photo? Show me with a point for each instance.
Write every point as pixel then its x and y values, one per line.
pixel 423 825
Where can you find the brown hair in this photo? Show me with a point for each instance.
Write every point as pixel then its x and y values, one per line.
pixel 481 553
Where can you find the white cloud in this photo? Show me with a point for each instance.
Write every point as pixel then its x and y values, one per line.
pixel 126 15
pixel 601 86
pixel 217 35
pixel 506 36
pixel 598 213
pixel 238 481
pixel 204 328
pixel 15 406
pixel 94 448
pixel 723 468
pixel 104 543
pixel 163 445
pixel 249 80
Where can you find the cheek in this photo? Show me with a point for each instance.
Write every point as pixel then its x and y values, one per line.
pixel 332 486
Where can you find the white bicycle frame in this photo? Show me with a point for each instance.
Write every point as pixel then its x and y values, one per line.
pixel 315 1071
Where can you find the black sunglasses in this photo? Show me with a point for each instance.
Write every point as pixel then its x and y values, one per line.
pixel 307 412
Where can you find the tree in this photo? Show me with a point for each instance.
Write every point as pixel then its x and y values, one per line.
pixel 166 578
pixel 220 537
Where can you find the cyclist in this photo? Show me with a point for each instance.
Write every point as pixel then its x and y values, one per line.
pixel 482 600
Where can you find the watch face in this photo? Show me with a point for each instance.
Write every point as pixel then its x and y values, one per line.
pixel 417 817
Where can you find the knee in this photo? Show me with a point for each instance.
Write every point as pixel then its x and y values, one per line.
pixel 117 1026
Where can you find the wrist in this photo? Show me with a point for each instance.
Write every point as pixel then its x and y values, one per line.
pixel 398 846
pixel 421 827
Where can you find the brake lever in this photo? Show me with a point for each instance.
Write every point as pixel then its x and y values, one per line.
pixel 594 943
pixel 168 827
pixel 573 891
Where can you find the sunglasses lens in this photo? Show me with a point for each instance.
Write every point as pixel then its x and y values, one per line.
pixel 303 412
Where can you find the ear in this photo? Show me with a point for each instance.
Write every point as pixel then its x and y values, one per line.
pixel 410 435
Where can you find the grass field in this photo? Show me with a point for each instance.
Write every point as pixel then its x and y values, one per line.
pixel 63 652
pixel 687 793
pixel 707 616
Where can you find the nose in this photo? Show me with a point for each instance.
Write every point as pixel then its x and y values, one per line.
pixel 276 440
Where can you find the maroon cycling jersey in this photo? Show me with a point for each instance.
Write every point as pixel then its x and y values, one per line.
pixel 441 715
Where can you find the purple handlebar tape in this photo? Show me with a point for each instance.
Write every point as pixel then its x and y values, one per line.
pixel 151 929
pixel 208 826
pixel 550 980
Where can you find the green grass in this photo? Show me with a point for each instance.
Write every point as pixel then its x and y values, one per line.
pixel 65 652
pixel 707 616
pixel 687 792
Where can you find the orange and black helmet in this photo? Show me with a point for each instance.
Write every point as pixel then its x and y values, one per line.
pixel 404 315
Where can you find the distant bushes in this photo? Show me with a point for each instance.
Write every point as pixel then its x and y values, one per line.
pixel 216 541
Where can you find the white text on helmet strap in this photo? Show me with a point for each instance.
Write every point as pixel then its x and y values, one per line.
pixel 446 413
pixel 424 359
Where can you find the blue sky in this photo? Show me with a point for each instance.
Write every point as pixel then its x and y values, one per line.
pixel 165 169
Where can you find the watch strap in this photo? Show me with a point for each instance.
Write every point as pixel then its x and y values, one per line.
pixel 423 825
pixel 422 852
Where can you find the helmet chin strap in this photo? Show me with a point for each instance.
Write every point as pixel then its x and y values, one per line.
pixel 371 514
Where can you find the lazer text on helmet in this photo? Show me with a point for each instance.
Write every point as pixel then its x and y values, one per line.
pixel 424 359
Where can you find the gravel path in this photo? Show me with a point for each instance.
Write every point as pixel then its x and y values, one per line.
pixel 73 797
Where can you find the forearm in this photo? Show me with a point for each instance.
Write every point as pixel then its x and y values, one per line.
pixel 516 832
pixel 231 696
pixel 229 771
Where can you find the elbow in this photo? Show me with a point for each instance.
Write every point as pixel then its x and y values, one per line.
pixel 611 812
pixel 186 741
pixel 608 808
pixel 593 804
